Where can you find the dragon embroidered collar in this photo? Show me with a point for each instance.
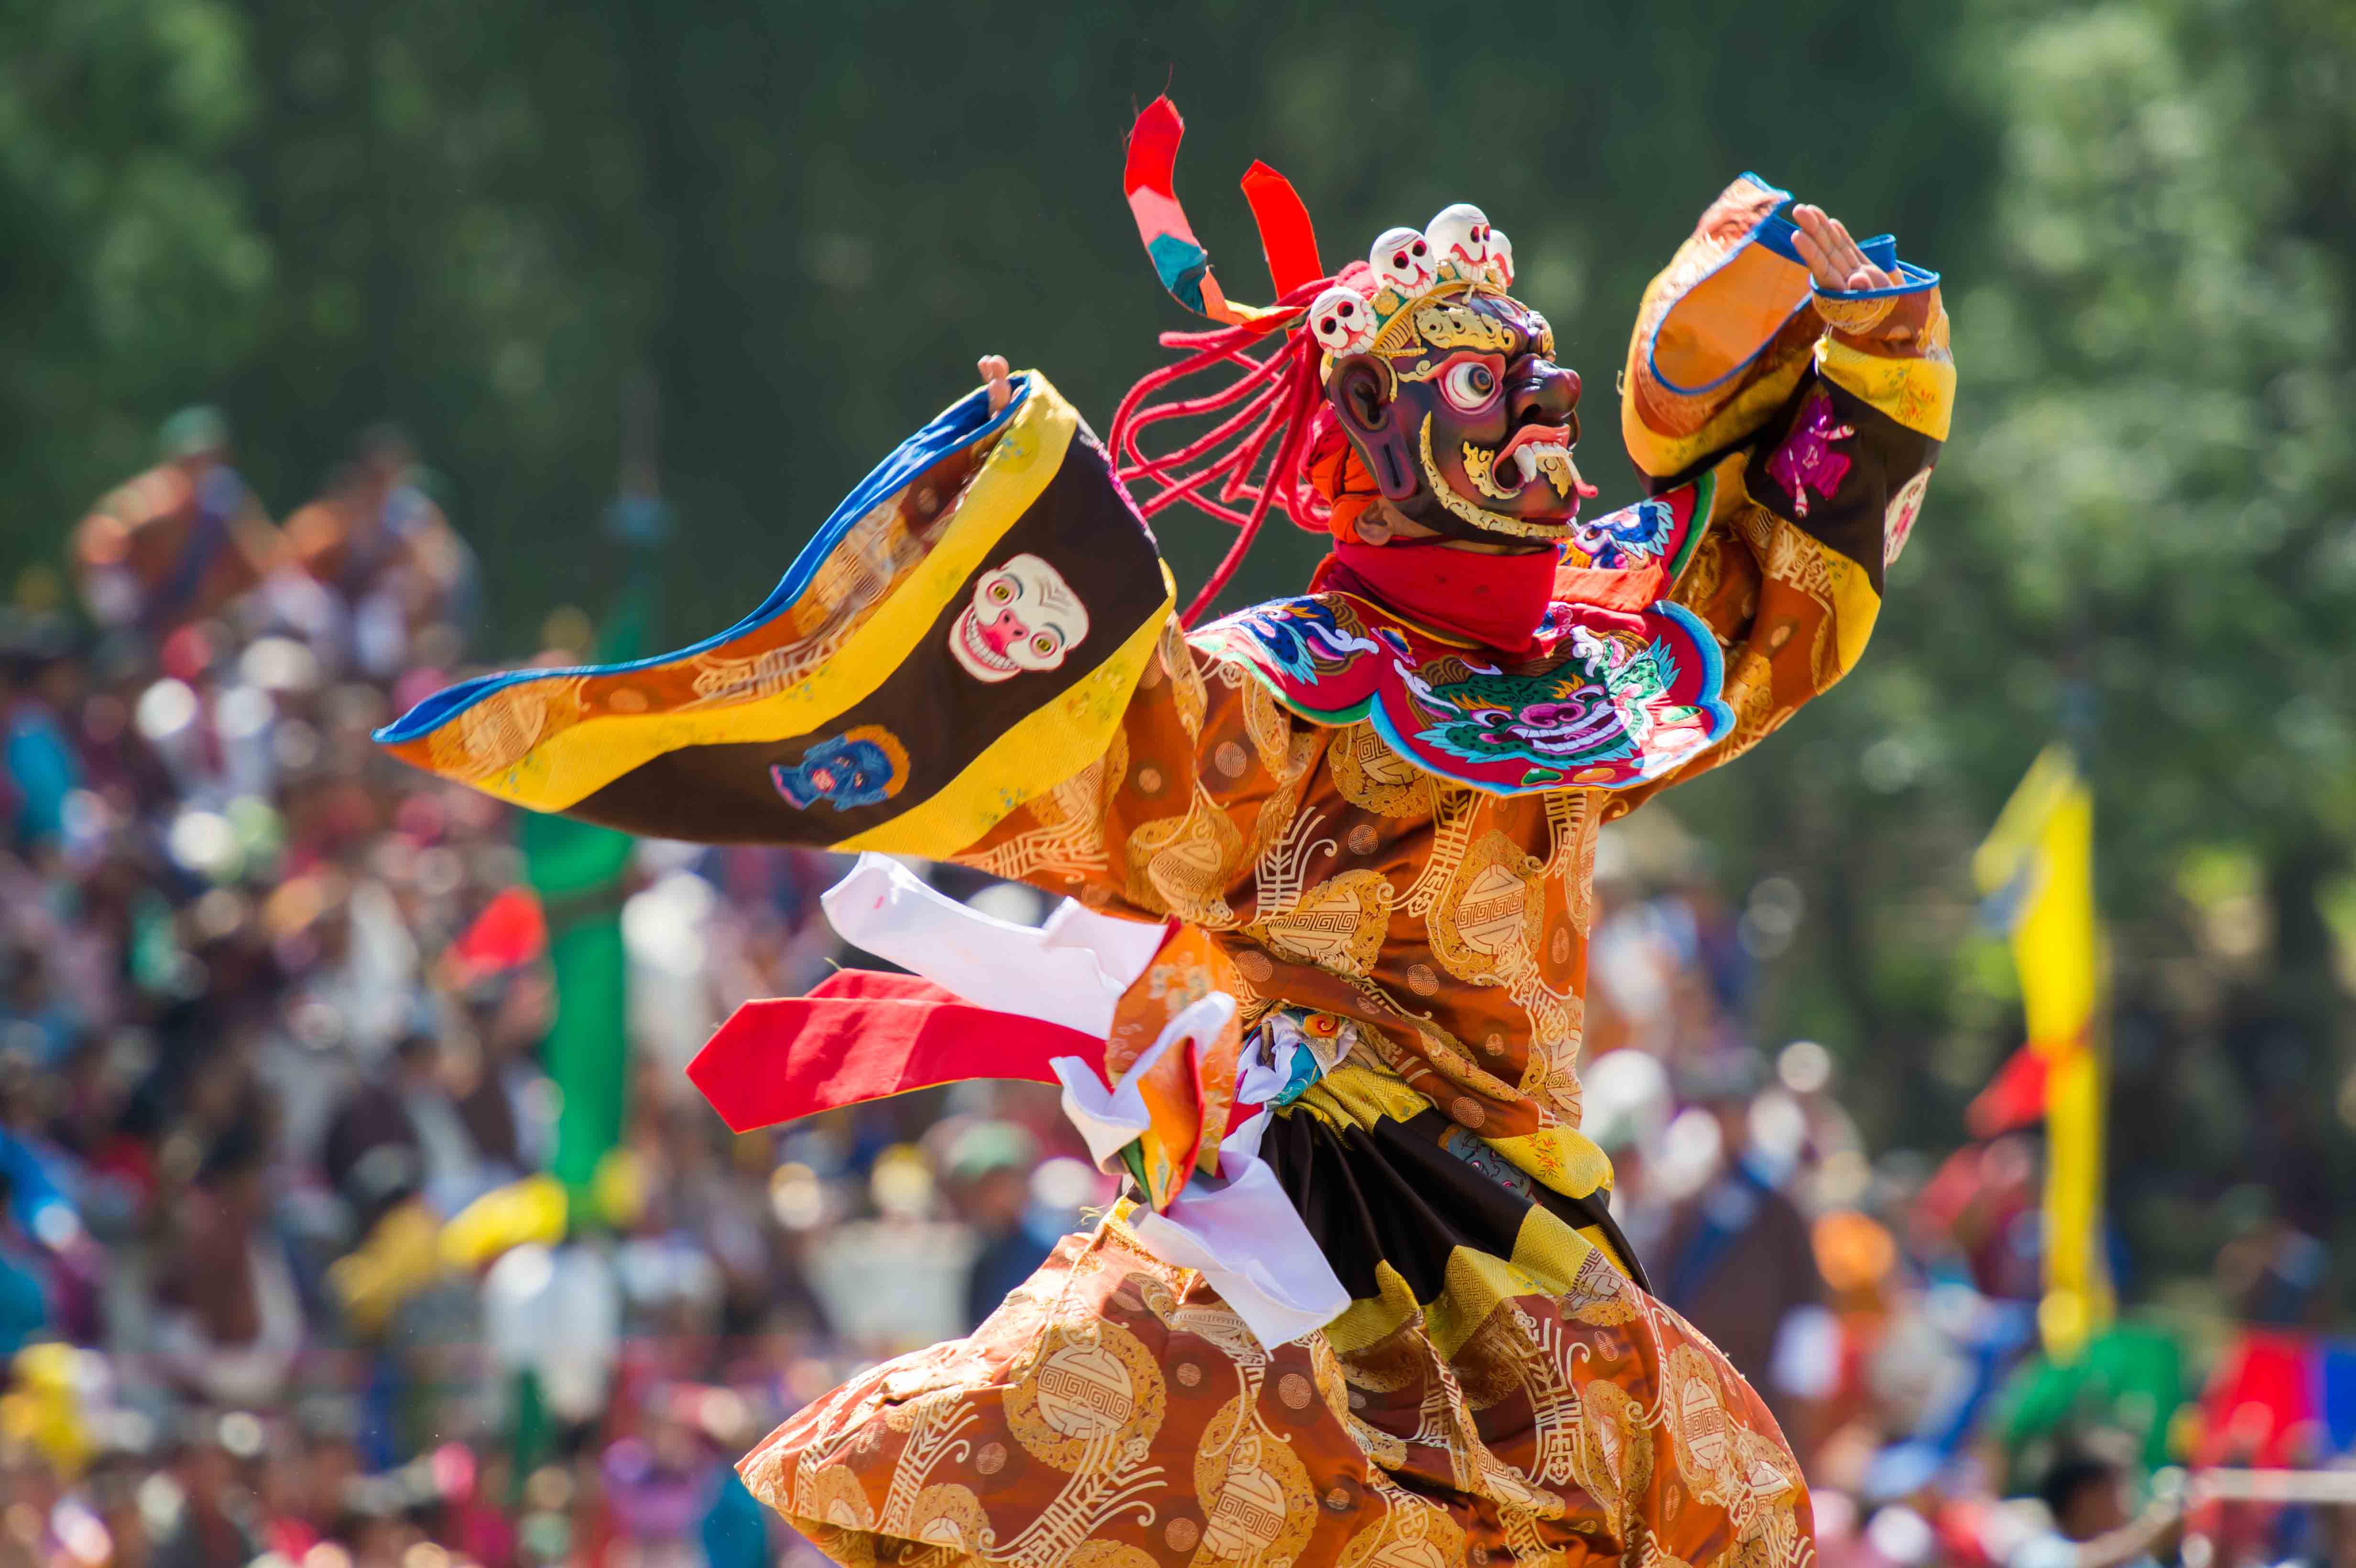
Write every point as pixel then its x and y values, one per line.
pixel 1618 686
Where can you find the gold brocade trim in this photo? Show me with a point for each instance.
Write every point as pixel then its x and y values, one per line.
pixel 1550 1260
pixel 1356 1095
pixel 1445 327
pixel 1918 390
pixel 1399 334
pixel 1480 468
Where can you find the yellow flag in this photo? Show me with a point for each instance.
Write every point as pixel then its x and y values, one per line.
pixel 2038 862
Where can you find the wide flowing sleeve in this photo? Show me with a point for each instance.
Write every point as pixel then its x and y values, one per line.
pixel 1204 774
pixel 963 634
pixel 1816 416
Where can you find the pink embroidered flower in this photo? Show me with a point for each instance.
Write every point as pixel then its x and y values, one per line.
pixel 1806 460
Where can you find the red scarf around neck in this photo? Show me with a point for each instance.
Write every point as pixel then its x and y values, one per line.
pixel 1496 600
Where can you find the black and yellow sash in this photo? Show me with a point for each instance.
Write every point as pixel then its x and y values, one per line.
pixel 873 701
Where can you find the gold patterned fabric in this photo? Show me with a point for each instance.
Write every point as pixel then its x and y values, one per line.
pixel 1113 1411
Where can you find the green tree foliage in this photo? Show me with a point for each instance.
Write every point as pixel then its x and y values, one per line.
pixel 2140 537
pixel 134 269
pixel 485 218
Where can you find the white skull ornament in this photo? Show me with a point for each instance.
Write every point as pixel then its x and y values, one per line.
pixel 1460 235
pixel 1023 616
pixel 1402 260
pixel 1341 320
pixel 1501 259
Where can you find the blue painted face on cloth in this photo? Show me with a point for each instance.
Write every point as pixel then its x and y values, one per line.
pixel 864 767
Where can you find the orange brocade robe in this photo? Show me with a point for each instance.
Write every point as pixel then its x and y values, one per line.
pixel 1511 1394
pixel 1414 880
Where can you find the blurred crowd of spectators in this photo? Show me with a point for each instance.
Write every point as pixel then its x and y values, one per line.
pixel 260 991
pixel 263 994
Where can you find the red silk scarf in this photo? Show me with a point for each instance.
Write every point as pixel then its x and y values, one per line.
pixel 1496 600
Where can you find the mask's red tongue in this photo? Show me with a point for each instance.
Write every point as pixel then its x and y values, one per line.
pixel 1496 600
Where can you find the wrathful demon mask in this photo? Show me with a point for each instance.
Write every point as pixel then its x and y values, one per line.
pixel 1445 389
pixel 1413 379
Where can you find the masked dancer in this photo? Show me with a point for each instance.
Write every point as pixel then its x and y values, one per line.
pixel 1316 989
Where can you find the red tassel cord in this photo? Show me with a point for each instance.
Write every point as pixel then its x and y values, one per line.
pixel 1248 460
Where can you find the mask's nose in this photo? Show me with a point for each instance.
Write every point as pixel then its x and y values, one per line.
pixel 1546 393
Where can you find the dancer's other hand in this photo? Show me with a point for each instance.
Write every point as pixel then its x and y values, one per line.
pixel 1834 258
pixel 993 370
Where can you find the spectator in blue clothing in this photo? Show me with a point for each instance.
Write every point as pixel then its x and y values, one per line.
pixel 24 1300
pixel 38 1200
pixel 989 1167
pixel 38 679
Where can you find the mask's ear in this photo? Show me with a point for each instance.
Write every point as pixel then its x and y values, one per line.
pixel 1360 389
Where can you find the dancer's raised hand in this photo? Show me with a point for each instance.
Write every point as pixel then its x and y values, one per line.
pixel 1834 258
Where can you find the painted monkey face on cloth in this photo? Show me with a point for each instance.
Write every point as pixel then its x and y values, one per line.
pixel 1023 616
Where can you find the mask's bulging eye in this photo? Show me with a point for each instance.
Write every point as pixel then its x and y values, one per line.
pixel 1001 592
pixel 1470 385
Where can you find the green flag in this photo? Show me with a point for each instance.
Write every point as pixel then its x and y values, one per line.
pixel 578 870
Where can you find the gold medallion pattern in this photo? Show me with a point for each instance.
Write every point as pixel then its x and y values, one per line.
pixel 1257 1504
pixel 1486 927
pixel 1337 925
pixel 1372 778
pixel 1092 1392
pixel 1184 865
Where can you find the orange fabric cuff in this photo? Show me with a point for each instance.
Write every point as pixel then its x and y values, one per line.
pixel 1342 477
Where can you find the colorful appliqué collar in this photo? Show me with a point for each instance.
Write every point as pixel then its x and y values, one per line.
pixel 1624 687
